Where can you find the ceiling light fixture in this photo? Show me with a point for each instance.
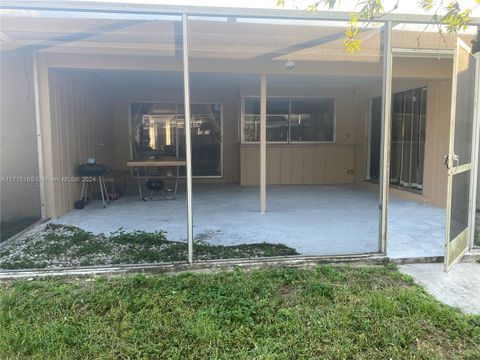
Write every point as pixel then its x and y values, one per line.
pixel 290 65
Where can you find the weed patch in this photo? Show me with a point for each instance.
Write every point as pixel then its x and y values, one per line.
pixel 65 246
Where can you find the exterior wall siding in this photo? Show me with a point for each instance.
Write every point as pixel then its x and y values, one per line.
pixel 18 151
pixel 299 164
pixel 81 119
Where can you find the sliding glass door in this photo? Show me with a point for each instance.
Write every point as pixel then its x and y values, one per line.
pixel 158 132
pixel 408 139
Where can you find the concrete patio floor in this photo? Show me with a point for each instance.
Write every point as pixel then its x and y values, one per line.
pixel 315 220
pixel 460 287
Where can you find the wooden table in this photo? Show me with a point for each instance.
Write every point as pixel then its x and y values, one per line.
pixel 176 163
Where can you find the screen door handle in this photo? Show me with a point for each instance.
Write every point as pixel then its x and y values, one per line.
pixel 456 160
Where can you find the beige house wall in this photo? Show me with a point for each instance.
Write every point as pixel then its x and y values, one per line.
pixel 18 140
pixel 436 142
pixel 296 164
pixel 81 128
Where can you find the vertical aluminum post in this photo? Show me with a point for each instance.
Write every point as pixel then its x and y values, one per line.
pixel 263 143
pixel 38 124
pixel 188 139
pixel 386 138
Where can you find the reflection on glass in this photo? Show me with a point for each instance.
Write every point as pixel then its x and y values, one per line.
pixel 277 128
pixel 277 119
pixel 312 120
pixel 291 119
pixel 252 128
pixel 278 106
pixel 408 138
pixel 158 131
pixel 252 106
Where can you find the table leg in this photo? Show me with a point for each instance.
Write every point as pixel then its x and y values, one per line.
pixel 83 188
pixel 106 191
pixel 101 190
pixel 176 181
pixel 139 185
pixel 146 180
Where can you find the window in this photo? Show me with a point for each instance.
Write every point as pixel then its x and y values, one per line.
pixel 278 110
pixel 158 131
pixel 311 120
pixel 290 119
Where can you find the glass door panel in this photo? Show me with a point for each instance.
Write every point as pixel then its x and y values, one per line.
pixel 407 139
pixel 158 132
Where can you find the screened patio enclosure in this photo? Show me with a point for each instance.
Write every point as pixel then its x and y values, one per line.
pixel 279 135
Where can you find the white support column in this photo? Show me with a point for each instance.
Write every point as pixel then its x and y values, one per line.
pixel 41 173
pixel 386 138
pixel 188 139
pixel 263 143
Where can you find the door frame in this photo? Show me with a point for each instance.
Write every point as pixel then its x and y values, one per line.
pixel 476 149
pixel 368 138
pixel 463 241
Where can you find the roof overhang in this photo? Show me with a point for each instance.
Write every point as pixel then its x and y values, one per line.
pixel 156 9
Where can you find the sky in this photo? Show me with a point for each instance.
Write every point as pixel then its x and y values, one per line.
pixel 405 6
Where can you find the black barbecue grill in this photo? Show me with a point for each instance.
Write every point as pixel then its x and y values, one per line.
pixel 89 173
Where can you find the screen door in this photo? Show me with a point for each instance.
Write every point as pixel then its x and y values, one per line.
pixel 461 156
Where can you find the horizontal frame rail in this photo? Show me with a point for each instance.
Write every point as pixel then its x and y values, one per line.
pixel 209 11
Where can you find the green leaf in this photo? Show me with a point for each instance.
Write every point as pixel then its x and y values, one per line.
pixel 330 3
pixel 351 42
pixel 426 4
pixel 456 19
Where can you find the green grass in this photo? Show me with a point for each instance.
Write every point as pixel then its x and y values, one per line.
pixel 60 246
pixel 329 312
